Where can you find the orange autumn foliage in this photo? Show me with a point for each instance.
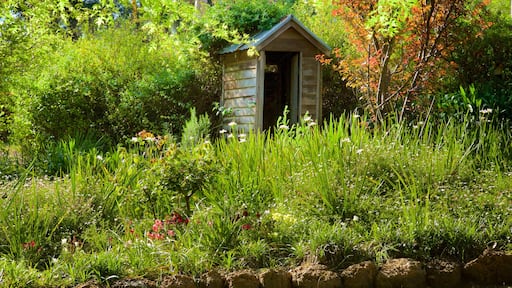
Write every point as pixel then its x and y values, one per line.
pixel 399 49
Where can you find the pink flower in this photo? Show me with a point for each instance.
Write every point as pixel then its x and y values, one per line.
pixel 155 236
pixel 171 233
pixel 158 225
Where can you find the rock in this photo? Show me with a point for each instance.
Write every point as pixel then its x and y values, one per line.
pixel 490 268
pixel 315 276
pixel 401 273
pixel 178 281
pixel 211 279
pixel 360 275
pixel 275 279
pixel 88 284
pixel 443 274
pixel 242 279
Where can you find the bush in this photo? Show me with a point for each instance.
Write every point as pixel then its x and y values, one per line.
pixel 111 85
pixel 486 63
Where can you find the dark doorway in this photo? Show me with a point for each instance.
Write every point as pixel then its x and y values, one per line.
pixel 281 87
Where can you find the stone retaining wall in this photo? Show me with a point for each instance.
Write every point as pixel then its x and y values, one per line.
pixel 491 269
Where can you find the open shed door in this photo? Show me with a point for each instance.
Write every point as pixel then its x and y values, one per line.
pixel 281 87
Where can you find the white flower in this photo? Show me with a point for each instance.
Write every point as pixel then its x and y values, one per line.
pixel 310 124
pixel 284 127
pixel 307 118
pixel 98 157
pixel 230 135
pixel 486 111
pixel 359 151
pixel 242 140
pixel 135 139
pixel 232 123
pixel 242 135
pixel 355 218
pixel 222 131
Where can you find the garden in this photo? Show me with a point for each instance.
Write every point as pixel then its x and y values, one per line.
pixel 115 162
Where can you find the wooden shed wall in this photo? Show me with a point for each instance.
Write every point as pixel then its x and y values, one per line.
pixel 311 96
pixel 240 89
pixel 292 41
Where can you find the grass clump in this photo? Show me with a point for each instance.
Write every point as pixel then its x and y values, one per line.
pixel 336 193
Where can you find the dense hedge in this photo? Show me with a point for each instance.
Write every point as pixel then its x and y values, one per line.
pixel 116 84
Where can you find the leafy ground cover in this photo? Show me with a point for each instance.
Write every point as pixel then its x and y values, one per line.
pixel 335 193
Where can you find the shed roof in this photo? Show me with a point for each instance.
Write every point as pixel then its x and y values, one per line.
pixel 263 38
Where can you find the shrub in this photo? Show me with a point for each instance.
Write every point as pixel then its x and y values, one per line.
pixel 111 85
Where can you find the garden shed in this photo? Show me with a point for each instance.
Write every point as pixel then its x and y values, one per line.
pixel 276 69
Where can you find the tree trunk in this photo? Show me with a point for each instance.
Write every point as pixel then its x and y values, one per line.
pixel 385 78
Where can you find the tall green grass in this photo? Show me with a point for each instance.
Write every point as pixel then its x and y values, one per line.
pixel 335 192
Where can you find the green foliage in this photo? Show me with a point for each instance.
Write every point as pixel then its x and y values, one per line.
pixel 485 63
pixel 196 130
pixel 115 85
pixel 233 21
pixel 186 171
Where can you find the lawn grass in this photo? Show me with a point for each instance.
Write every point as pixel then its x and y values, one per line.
pixel 336 194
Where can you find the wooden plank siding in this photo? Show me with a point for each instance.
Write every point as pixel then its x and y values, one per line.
pixel 291 41
pixel 239 89
pixel 310 87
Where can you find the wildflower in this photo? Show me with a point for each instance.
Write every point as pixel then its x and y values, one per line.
pixel 155 236
pixel 359 151
pixel 246 227
pixel 29 245
pixel 135 139
pixel 242 135
pixel 486 111
pixel 284 127
pixel 230 135
pixel 307 118
pixel 158 225
pixel 222 131
pixel 242 140
pixel 232 123
pixel 99 158
pixel 311 124
pixel 355 218
pixel 171 233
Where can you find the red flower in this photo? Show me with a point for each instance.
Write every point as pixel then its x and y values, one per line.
pixel 29 245
pixel 246 226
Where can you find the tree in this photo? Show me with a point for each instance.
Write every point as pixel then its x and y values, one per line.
pixel 399 47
